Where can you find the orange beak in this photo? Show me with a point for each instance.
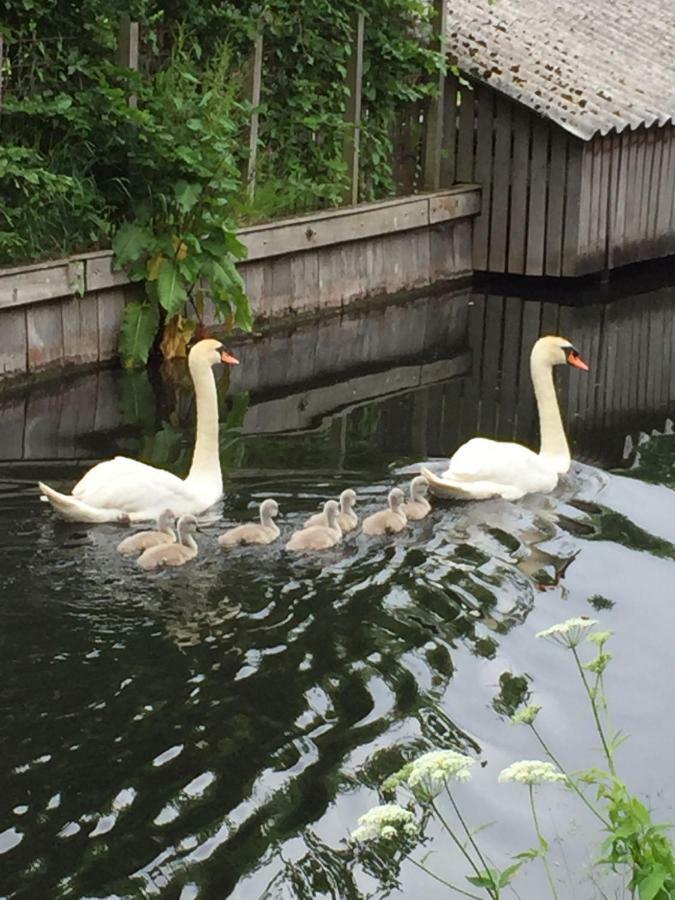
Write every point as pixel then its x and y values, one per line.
pixel 228 358
pixel 575 360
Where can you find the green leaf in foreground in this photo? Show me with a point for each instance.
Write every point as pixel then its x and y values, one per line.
pixel 170 287
pixel 130 241
pixel 139 327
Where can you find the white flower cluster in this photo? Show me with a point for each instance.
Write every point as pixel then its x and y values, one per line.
pixel 569 633
pixel 531 771
pixel 388 822
pixel 428 775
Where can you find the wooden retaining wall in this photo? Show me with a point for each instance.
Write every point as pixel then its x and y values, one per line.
pixel 69 311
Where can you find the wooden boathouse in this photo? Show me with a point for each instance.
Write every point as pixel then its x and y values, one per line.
pixel 563 114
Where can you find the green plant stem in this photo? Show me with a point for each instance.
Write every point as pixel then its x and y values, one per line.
pixel 460 846
pixel 442 880
pixel 542 842
pixel 596 715
pixel 468 833
pixel 572 783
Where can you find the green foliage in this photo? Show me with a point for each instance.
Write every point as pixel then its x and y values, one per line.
pixel 634 845
pixel 163 176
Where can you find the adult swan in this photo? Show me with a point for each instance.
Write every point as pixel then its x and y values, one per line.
pixel 123 489
pixel 483 468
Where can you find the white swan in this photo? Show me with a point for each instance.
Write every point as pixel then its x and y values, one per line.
pixel 482 468
pixel 123 489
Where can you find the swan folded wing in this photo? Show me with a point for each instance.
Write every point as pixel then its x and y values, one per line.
pixel 132 486
pixel 501 463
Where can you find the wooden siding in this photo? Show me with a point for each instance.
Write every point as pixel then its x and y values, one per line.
pixel 553 204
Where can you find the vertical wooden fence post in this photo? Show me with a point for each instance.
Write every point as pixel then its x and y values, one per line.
pixel 127 46
pixel 253 92
pixel 350 150
pixel 433 143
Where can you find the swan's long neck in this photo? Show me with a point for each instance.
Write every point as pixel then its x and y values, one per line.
pixel 266 519
pixel 206 457
pixel 186 539
pixel 553 440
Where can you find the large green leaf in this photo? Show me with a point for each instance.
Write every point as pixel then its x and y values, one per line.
pixel 130 242
pixel 139 327
pixel 170 287
pixel 187 193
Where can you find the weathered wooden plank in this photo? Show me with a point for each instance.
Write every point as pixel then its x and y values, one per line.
pixel 604 206
pixel 655 189
pixel 342 225
pixel 646 193
pixel 584 263
pixel 449 150
pixel 557 171
pixel 632 199
pixel 34 285
pixel 641 183
pixel 252 93
pixel 435 113
pixel 350 149
pixel 665 196
pixel 536 210
pixel 305 277
pixel 447 207
pixel 13 346
pixel 276 292
pixel 99 273
pixel 670 241
pixel 571 224
pixel 618 226
pixel 520 173
pixel 596 238
pixel 465 135
pixel 501 179
pixel 462 240
pixel 128 49
pixel 110 312
pixel 484 98
pixel 44 331
pixel 80 329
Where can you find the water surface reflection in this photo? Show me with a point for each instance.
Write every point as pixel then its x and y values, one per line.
pixel 216 731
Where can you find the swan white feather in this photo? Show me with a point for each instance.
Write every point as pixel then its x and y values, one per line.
pixel 123 489
pixel 484 468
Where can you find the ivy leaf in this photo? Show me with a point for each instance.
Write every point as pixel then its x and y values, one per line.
pixel 130 242
pixel 170 288
pixel 139 327
pixel 186 193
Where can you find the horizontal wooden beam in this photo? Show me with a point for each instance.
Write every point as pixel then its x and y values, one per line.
pixel 23 285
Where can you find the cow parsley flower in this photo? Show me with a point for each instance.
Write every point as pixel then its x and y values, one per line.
pixel 386 822
pixel 569 633
pixel 531 771
pixel 526 715
pixel 427 775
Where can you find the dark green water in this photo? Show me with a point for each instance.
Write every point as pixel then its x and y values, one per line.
pixel 216 731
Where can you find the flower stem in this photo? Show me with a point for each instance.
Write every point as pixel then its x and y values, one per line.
pixel 457 841
pixel 542 842
pixel 442 880
pixel 596 716
pixel 572 783
pixel 470 837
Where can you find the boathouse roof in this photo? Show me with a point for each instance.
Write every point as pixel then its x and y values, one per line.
pixel 591 66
